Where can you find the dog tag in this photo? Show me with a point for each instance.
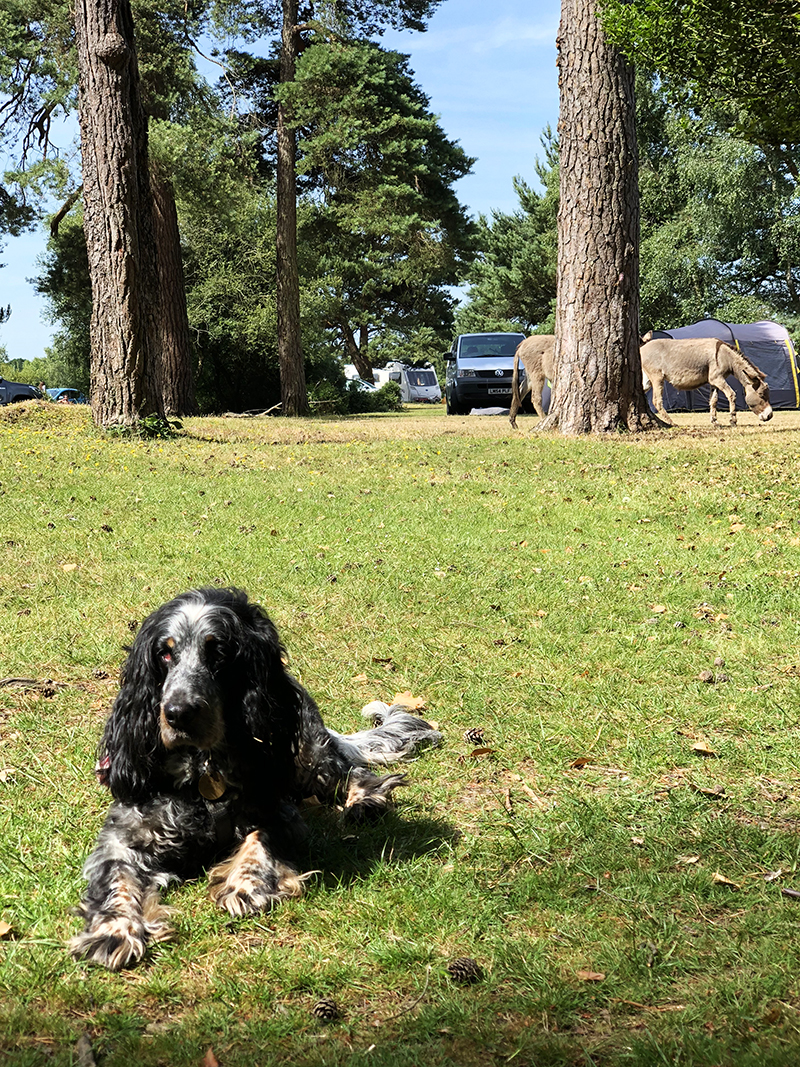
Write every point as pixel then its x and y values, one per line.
pixel 211 786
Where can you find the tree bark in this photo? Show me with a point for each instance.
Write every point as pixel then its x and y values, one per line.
pixel 294 398
pixel 177 379
pixel 598 377
pixel 353 348
pixel 124 360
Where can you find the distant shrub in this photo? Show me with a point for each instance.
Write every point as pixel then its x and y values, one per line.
pixel 387 398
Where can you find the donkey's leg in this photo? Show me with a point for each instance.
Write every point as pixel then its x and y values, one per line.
pixel 721 384
pixel 712 405
pixel 658 399
pixel 537 386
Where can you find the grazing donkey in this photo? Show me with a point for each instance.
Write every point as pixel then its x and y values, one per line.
pixel 536 353
pixel 687 363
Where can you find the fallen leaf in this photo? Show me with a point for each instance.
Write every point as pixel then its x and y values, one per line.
pixel 658 609
pixel 688 861
pixel 638 841
pixel 408 701
pixel 736 527
pixel 360 678
pixel 581 761
pixel 6 931
pixel 773 876
pixel 793 893
pixel 69 567
pixel 526 789
pixel 712 792
pixel 590 976
pixel 210 1060
pixel 701 748
pixel 720 879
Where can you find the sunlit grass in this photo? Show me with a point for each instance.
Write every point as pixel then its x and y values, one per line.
pixel 564 595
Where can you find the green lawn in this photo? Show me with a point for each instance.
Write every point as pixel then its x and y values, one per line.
pixel 628 898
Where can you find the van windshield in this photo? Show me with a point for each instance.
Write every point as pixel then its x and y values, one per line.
pixel 491 344
pixel 421 377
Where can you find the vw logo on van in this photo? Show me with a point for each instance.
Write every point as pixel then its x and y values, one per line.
pixel 498 374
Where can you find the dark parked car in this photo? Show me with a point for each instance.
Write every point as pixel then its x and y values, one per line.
pixel 67 396
pixel 11 392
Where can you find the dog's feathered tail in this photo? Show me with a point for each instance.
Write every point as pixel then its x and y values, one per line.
pixel 336 768
pixel 397 735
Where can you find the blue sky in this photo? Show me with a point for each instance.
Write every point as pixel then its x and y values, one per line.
pixel 489 70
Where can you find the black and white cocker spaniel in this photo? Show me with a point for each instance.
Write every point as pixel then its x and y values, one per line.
pixel 210 746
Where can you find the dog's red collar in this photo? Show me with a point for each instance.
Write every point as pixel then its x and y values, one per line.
pixel 102 770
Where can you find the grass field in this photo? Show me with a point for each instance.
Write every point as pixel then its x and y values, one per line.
pixel 624 860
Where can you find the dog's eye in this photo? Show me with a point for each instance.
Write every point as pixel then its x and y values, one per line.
pixel 215 652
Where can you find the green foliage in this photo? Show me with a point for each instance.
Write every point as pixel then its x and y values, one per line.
pixel 720 229
pixel 387 233
pixel 149 427
pixel 737 53
pixel 513 280
pixel 424 345
pixel 719 222
pixel 387 398
pixel 64 282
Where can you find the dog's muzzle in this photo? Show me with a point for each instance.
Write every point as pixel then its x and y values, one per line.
pixel 186 722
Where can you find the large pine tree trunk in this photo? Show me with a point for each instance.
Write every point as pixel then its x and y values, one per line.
pixel 598 379
pixel 177 379
pixel 125 379
pixel 294 398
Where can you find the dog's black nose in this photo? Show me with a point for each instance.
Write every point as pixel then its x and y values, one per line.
pixel 178 715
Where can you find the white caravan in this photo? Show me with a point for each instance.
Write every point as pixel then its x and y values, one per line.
pixel 418 385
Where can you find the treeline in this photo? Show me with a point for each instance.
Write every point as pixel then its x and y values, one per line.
pixel 381 235
pixel 720 230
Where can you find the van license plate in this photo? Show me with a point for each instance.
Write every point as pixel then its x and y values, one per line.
pixel 494 392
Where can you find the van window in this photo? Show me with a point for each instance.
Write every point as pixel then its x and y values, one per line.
pixel 421 377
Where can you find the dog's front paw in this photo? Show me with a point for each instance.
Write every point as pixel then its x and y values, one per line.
pixel 113 942
pixel 252 880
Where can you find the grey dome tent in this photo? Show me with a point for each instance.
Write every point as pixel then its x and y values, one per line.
pixel 767 344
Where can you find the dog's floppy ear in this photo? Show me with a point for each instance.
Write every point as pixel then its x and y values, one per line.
pixel 131 744
pixel 271 700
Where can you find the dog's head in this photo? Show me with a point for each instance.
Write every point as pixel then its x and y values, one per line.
pixel 205 669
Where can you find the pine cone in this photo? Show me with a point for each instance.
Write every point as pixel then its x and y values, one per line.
pixel 326 1009
pixel 474 735
pixel 465 970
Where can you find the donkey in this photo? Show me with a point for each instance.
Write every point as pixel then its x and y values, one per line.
pixel 536 353
pixel 687 363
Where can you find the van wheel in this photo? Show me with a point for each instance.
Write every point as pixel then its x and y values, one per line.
pixel 453 408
